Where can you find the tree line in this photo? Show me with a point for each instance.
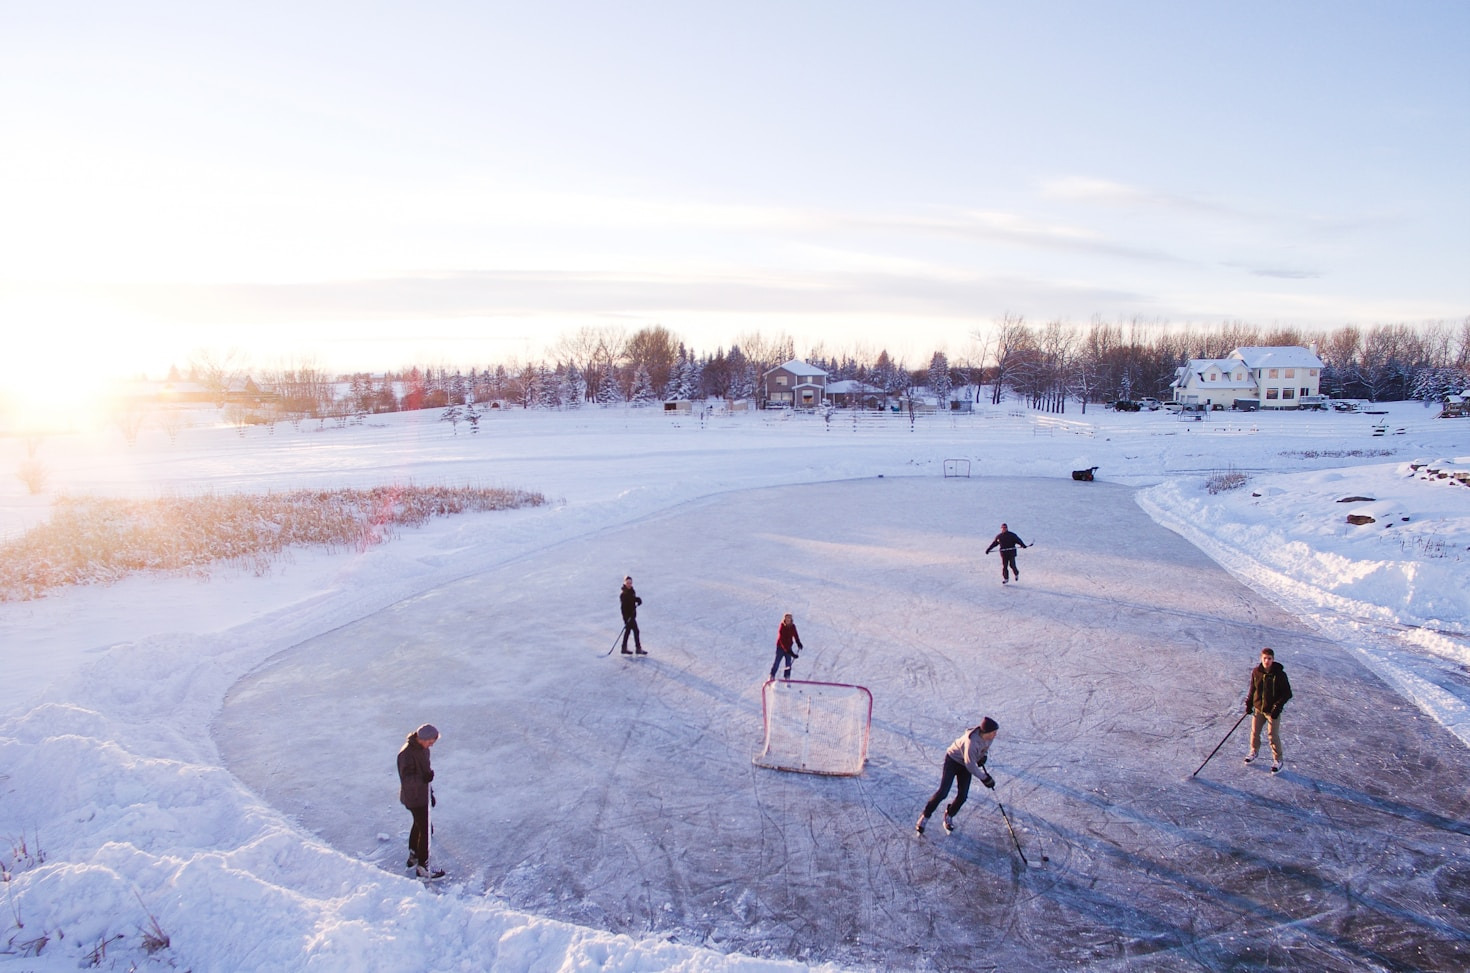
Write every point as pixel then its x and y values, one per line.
pixel 1048 366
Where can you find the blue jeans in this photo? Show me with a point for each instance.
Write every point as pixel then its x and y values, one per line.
pixel 786 654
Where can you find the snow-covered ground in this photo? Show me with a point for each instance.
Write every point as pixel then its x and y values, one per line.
pixel 216 754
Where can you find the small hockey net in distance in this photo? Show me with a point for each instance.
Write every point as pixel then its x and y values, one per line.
pixel 956 467
pixel 815 727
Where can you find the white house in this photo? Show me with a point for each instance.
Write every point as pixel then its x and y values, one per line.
pixel 1273 378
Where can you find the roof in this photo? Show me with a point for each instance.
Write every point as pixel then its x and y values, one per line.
pixel 798 367
pixel 848 386
pixel 1288 356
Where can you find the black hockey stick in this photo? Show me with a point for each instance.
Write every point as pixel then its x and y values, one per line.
pixel 1221 743
pixel 615 639
pixel 1012 830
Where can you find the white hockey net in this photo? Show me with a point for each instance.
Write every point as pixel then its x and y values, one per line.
pixel 815 727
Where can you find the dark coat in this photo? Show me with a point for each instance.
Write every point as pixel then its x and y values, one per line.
pixel 630 601
pixel 414 774
pixel 1006 540
pixel 1269 690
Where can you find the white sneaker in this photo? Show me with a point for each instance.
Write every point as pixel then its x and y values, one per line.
pixel 1276 767
pixel 1250 756
pixel 948 824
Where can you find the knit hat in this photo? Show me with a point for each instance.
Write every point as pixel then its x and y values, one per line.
pixel 987 725
pixel 427 732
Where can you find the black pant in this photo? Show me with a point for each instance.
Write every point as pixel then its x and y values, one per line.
pixel 1008 560
pixel 630 627
pixel 418 835
pixel 953 771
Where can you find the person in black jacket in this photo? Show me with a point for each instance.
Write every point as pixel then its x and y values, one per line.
pixel 414 776
pixel 1268 692
pixel 629 600
pixel 1007 542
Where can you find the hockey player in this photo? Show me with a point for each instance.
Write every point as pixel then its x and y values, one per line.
pixel 1268 692
pixel 785 636
pixel 629 600
pixel 1007 542
pixel 414 776
pixel 964 758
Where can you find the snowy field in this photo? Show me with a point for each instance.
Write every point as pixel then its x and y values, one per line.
pixel 216 754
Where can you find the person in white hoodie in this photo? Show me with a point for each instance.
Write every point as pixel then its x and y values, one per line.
pixel 964 759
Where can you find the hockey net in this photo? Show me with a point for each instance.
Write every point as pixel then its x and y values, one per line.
pixel 815 727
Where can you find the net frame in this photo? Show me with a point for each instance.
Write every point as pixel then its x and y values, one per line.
pixel 815 727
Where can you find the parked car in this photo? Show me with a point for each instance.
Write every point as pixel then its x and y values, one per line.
pixel 1123 405
pixel 1150 403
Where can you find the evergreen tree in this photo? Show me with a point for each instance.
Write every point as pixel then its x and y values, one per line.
pixel 643 391
pixel 608 390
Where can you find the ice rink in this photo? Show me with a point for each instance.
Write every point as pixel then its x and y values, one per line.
pixel 620 793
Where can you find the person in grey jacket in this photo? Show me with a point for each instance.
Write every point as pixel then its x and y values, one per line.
pixel 415 774
pixel 964 759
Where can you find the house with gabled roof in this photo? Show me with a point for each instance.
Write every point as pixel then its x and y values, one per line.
pixel 1271 377
pixel 795 384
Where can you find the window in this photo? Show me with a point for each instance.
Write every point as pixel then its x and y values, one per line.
pixel 1290 373
pixel 1311 373
pixel 1272 393
pixel 1272 374
pixel 782 380
pixel 1240 376
pixel 1213 377
pixel 1288 393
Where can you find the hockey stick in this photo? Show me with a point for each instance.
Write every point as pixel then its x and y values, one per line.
pixel 1012 829
pixel 615 639
pixel 1221 743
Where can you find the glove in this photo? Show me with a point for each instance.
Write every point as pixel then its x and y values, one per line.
pixel 429 777
pixel 988 781
pixel 1247 707
pixel 638 601
pixel 1276 713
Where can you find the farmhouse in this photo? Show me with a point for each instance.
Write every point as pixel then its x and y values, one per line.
pixel 1267 378
pixel 795 384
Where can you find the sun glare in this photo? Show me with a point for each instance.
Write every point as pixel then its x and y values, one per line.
pixel 67 370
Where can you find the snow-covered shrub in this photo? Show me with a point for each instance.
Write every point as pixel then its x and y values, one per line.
pixel 1225 480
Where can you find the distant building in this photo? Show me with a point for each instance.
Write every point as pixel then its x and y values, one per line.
pixel 795 384
pixel 1273 378
pixel 852 394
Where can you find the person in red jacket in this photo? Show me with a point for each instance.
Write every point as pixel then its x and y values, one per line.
pixel 964 759
pixel 785 636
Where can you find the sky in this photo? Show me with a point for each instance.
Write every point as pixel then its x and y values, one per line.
pixel 463 183
pixel 213 748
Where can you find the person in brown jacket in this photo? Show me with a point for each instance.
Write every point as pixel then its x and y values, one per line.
pixel 1268 692
pixel 415 774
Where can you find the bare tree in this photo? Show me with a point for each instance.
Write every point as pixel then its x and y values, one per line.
pixel 217 373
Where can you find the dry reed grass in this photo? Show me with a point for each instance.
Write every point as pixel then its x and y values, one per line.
pixel 98 540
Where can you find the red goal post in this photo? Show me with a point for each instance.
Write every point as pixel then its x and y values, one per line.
pixel 815 727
